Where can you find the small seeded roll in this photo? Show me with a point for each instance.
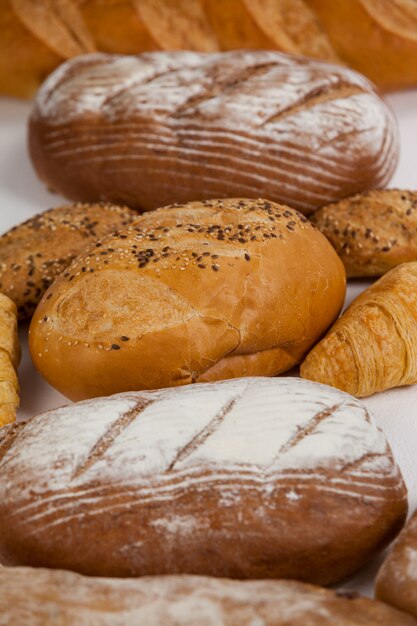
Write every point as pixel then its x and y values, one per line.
pixel 372 232
pixel 34 253
pixel 189 293
pixel 9 360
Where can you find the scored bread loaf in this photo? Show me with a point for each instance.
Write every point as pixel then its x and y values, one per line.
pixel 160 128
pixel 248 478
pixel 373 345
pixel 191 293
pixel 396 582
pixel 52 597
pixel 35 252
pixel 372 232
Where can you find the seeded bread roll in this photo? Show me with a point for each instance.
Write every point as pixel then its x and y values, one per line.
pixel 9 360
pixel 373 345
pixel 75 600
pixel 192 293
pixel 396 582
pixel 372 232
pixel 163 128
pixel 246 478
pixel 34 253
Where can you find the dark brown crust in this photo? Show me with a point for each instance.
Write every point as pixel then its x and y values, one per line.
pixel 238 520
pixel 396 582
pixel 289 144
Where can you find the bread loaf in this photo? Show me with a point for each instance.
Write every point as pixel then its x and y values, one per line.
pixel 250 478
pixel 287 25
pixel 191 293
pixel 396 582
pixel 52 597
pixel 373 346
pixel 160 128
pixel 378 37
pixel 34 253
pixel 372 232
pixel 9 360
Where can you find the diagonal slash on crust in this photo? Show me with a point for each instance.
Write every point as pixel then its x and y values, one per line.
pixel 106 441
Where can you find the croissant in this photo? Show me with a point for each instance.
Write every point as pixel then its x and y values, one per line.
pixel 9 359
pixel 373 346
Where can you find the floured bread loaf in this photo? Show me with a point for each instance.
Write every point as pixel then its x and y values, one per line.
pixel 203 291
pixel 74 600
pixel 158 128
pixel 396 582
pixel 250 478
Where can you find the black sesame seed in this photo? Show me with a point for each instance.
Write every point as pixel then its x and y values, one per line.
pixel 124 338
pixel 114 346
pixel 247 257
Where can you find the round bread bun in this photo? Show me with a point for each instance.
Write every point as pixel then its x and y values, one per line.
pixel 189 293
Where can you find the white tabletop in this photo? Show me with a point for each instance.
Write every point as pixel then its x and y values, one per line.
pixel 22 195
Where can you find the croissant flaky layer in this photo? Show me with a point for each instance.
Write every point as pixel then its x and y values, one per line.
pixel 373 346
pixel 9 359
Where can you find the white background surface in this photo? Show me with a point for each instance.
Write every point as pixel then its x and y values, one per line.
pixel 22 195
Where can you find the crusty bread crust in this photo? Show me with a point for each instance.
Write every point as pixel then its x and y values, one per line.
pixel 372 232
pixel 396 582
pixel 191 293
pixel 176 601
pixel 235 478
pixel 159 128
pixel 35 252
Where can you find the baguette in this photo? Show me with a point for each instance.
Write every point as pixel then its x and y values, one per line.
pixel 376 37
pixel 186 294
pixel 373 346
pixel 67 599
pixel 164 128
pixel 249 478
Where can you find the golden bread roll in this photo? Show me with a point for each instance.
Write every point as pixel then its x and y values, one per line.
pixel 373 346
pixel 396 582
pixel 372 232
pixel 9 360
pixel 376 37
pixel 163 128
pixel 35 252
pixel 246 478
pixel 188 293
pixel 76 600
